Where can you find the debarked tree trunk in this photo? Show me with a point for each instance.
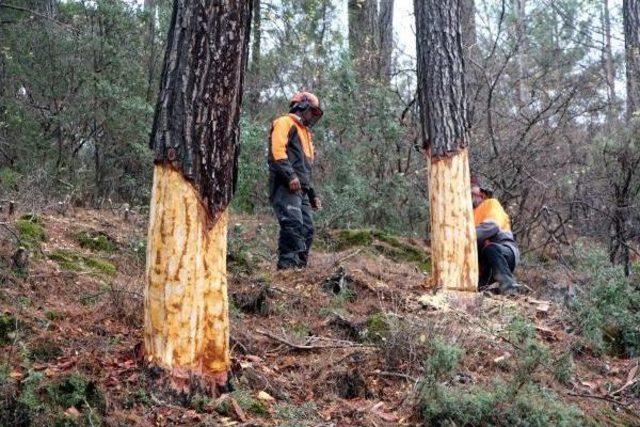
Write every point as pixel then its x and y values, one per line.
pixel 453 234
pixel 186 321
pixel 195 142
pixel 445 132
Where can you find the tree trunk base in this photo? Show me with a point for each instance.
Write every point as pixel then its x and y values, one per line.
pixel 453 300
pixel 453 235
pixel 186 314
pixel 180 385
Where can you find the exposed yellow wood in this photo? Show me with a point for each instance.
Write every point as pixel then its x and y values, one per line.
pixel 186 315
pixel 453 234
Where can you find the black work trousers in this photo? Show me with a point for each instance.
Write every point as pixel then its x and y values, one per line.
pixel 294 214
pixel 497 263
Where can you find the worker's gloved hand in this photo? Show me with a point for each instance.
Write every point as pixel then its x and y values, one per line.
pixel 294 185
pixel 316 203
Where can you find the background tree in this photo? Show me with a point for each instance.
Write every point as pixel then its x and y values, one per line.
pixel 443 107
pixel 195 141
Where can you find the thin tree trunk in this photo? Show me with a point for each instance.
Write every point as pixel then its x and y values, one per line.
pixel 443 106
pixel 257 37
pixel 519 7
pixel 195 141
pixel 471 54
pixel 364 37
pixel 151 8
pixel 631 18
pixel 253 76
pixel 628 157
pixel 607 60
pixel 385 25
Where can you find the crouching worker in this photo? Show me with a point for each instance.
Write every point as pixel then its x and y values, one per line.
pixel 290 192
pixel 497 250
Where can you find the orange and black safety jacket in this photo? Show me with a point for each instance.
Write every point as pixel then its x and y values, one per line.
pixel 290 153
pixel 493 224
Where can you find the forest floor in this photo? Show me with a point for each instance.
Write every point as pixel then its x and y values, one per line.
pixel 347 341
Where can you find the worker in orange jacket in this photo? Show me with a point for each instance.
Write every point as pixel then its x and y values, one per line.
pixel 291 193
pixel 498 252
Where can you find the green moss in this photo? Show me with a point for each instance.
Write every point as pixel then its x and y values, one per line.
pixel 349 238
pixel 30 231
pixel 75 261
pixel 400 251
pixel 101 265
pixel 96 241
pixel 382 242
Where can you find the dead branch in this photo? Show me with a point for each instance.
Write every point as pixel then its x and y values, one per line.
pixel 332 343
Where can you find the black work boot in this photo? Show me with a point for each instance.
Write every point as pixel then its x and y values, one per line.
pixel 510 289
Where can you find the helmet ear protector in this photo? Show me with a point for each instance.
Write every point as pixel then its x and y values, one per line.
pixel 299 106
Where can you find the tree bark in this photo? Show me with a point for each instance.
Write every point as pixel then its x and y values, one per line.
pixel 253 76
pixel 151 8
pixel 471 54
pixel 443 106
pixel 519 8
pixel 195 128
pixel 364 35
pixel 385 25
pixel 625 183
pixel 195 141
pixel 631 18
pixel 607 62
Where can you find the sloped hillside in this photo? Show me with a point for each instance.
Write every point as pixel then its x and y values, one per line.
pixel 351 340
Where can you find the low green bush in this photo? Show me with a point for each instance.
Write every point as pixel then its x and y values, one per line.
pixel 606 310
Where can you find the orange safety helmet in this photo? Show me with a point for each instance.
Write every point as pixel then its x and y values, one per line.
pixel 303 100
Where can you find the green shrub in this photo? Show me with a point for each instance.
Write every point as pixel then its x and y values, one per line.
pixel 563 368
pixel 495 405
pixel 76 390
pixel 606 310
pixel 45 350
pixel 377 327
pixel 7 326
pixel 30 231
pixel 9 179
pixel 248 403
pixel 296 415
pixel 29 396
pixel 442 360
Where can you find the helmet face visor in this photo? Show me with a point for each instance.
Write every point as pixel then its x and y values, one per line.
pixel 315 113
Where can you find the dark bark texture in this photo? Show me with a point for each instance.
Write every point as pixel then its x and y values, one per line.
pixel 471 54
pixel 631 18
pixel 371 38
pixel 195 128
pixel 363 35
pixel 441 75
pixel 385 23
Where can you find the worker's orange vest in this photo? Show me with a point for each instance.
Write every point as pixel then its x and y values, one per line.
pixel 491 210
